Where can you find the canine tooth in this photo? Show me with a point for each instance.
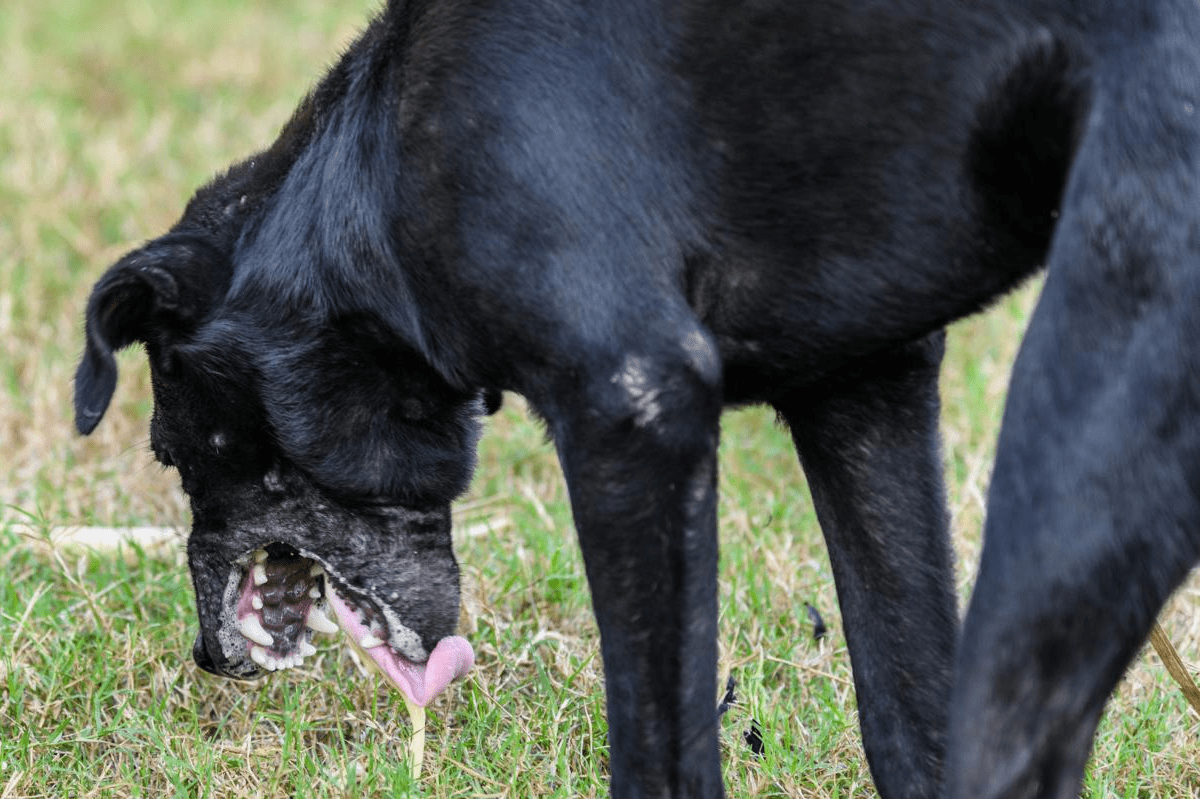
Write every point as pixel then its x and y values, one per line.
pixel 260 555
pixel 306 649
pixel 260 656
pixel 256 602
pixel 314 592
pixel 317 620
pixel 260 574
pixel 316 571
pixel 369 641
pixel 252 628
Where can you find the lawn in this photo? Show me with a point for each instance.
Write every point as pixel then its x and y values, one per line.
pixel 110 115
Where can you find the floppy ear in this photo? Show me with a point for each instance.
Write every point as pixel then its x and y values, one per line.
pixel 153 286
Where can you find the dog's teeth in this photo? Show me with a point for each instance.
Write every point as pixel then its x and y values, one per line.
pixel 260 556
pixel 316 570
pixel 260 656
pixel 259 573
pixel 369 641
pixel 314 592
pixel 317 620
pixel 305 649
pixel 256 602
pixel 252 628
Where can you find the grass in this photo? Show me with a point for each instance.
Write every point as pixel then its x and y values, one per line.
pixel 110 115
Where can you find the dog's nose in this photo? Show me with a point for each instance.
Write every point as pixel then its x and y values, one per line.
pixel 201 656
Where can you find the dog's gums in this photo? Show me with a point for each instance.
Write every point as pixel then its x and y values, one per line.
pixel 283 601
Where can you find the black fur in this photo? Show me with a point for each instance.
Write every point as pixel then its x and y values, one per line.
pixel 636 213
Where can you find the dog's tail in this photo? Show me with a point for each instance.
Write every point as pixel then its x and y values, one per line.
pixel 1094 508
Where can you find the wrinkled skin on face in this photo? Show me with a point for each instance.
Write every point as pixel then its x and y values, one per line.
pixel 320 463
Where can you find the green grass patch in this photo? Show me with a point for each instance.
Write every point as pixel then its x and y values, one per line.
pixel 110 115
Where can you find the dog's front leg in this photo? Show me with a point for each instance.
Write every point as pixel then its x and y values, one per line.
pixel 869 445
pixel 638 443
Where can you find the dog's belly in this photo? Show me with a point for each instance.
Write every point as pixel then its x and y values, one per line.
pixel 787 314
pixel 796 340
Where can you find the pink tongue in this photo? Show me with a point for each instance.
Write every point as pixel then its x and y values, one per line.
pixel 450 660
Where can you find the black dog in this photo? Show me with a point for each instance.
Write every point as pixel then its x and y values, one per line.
pixel 636 213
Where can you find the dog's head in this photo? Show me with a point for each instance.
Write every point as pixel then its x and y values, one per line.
pixel 320 453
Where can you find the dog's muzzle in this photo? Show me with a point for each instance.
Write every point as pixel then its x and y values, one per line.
pixel 277 598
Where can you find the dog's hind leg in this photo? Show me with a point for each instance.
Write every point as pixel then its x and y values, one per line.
pixel 868 442
pixel 637 433
pixel 1094 507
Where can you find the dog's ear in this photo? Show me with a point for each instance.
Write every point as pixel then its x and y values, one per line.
pixel 168 283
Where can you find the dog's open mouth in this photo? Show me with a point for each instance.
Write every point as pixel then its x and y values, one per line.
pixel 285 596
